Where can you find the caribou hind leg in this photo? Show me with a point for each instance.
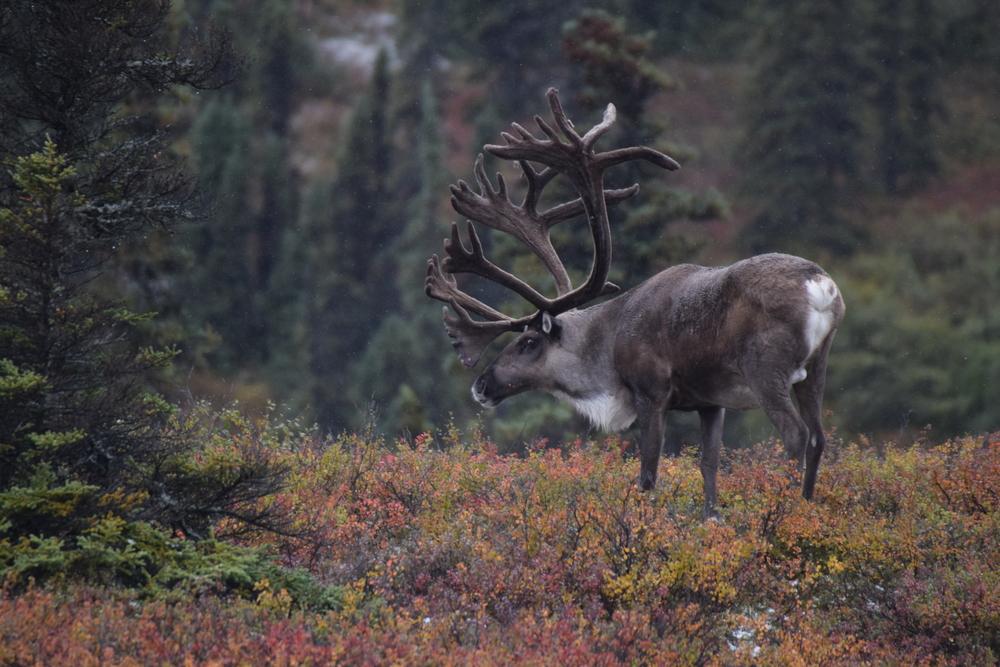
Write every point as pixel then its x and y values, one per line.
pixel 770 373
pixel 779 408
pixel 711 441
pixel 809 393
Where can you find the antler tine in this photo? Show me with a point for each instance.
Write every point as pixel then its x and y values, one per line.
pixel 482 180
pixel 562 120
pixel 572 209
pixel 544 127
pixel 609 159
pixel 537 180
pixel 470 337
pixel 495 209
pixel 595 133
pixel 525 134
pixel 502 186
pixel 443 287
pixel 464 260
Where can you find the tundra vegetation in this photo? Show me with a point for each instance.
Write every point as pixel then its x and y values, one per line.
pixel 214 218
pixel 443 551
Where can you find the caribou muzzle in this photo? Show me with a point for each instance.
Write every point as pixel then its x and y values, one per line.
pixel 487 391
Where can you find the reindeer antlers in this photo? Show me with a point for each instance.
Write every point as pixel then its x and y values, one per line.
pixel 494 208
pixel 561 152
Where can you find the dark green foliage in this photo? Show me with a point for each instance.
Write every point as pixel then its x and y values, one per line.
pixel 222 146
pixel 69 66
pixel 350 266
pixel 970 35
pixel 82 433
pixel 426 39
pixel 803 137
pixel 279 67
pixel 85 439
pixel 613 65
pixel 141 556
pixel 241 150
pixel 137 531
pixel 710 29
pixel 923 330
pixel 75 409
pixel 411 337
pixel 514 46
pixel 907 44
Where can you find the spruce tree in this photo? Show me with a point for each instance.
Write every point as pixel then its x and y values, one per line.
pixel 515 47
pixel 83 433
pixel 614 65
pixel 404 361
pixel 73 401
pixel 221 139
pixel 906 71
pixel 802 148
pixel 712 29
pixel 296 301
pixel 351 265
pixel 241 150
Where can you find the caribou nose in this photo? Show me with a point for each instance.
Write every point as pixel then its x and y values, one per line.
pixel 479 391
pixel 479 388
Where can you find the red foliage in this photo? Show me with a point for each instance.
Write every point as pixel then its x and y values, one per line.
pixel 466 557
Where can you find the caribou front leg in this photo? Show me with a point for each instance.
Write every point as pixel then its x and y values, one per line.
pixel 711 441
pixel 653 422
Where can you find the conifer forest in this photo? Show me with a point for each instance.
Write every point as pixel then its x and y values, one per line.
pixel 234 429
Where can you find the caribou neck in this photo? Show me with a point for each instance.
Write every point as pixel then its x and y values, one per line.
pixel 584 373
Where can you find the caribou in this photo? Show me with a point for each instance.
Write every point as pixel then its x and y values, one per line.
pixel 691 338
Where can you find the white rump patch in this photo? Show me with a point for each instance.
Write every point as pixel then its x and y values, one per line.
pixel 605 411
pixel 821 293
pixel 799 376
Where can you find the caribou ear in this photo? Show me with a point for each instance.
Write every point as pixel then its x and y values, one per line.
pixel 549 326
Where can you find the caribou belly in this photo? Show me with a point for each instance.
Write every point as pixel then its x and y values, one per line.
pixel 740 397
pixel 736 397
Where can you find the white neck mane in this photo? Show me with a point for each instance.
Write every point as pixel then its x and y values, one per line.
pixel 608 412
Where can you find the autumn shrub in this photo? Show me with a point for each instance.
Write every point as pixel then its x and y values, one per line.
pixel 46 537
pixel 436 552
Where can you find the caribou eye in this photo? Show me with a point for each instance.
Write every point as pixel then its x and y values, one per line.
pixel 528 344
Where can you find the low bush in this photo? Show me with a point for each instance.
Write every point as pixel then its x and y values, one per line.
pixel 445 554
